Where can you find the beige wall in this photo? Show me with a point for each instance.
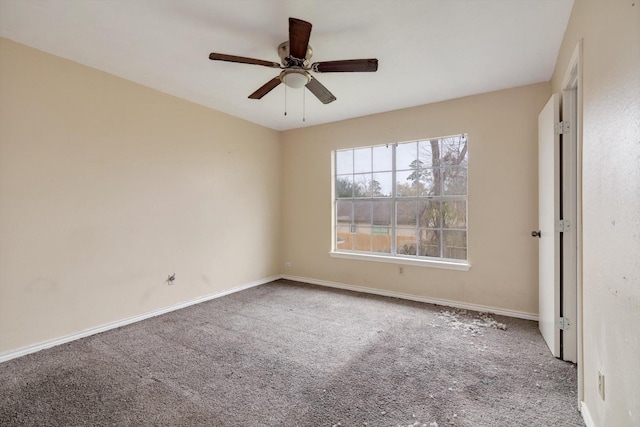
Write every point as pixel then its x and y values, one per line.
pixel 611 202
pixel 502 128
pixel 106 187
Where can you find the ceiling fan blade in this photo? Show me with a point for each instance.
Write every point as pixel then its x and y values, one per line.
pixel 347 65
pixel 266 88
pixel 321 92
pixel 299 33
pixel 242 60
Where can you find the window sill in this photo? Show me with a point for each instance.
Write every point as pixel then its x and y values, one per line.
pixel 447 265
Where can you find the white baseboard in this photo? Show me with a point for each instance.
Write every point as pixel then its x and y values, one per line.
pixel 586 416
pixel 437 301
pixel 92 331
pixel 112 325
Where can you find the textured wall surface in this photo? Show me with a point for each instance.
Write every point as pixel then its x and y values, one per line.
pixel 610 31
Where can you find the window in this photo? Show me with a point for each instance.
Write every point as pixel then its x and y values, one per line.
pixel 406 200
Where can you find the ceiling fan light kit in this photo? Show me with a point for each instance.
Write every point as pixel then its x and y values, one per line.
pixel 295 78
pixel 295 55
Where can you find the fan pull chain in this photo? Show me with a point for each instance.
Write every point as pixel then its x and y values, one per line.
pixel 304 104
pixel 285 100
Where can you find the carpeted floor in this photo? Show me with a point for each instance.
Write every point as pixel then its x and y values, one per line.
pixel 291 354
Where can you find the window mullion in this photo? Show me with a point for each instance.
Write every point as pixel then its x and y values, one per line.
pixel 417 172
pixel 353 229
pixel 371 236
pixel 440 205
pixel 393 199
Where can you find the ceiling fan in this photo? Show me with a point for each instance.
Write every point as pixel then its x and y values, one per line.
pixel 295 55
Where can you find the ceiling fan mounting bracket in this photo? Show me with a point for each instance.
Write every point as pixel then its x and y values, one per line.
pixel 290 61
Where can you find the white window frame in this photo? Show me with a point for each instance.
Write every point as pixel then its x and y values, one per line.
pixel 434 262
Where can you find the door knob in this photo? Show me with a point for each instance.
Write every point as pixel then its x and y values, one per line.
pixel 536 234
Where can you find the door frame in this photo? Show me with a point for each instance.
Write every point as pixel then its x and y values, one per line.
pixel 571 90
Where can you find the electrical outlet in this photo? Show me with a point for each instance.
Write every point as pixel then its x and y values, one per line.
pixel 601 384
pixel 287 264
pixel 401 271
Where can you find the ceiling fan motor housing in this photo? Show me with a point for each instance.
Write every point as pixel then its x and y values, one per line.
pixel 287 60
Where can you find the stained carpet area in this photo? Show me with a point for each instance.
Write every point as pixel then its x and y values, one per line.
pixel 292 354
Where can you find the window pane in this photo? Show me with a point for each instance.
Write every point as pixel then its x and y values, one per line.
pixel 429 213
pixel 382 184
pixel 344 212
pixel 362 239
pixel 376 185
pixel 453 150
pixel 455 244
pixel 454 214
pixel 382 157
pixel 361 185
pixel 429 153
pixel 344 186
pixel 362 160
pixel 381 229
pixel 381 240
pixel 429 243
pixel 344 162
pixel 406 212
pixel 406 183
pixel 362 212
pixel 343 237
pixel 382 213
pixel 406 241
pixel 406 155
pixel 454 181
pixel 429 184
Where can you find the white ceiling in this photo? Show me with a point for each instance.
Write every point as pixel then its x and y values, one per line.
pixel 428 50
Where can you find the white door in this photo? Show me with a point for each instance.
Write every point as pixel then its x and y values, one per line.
pixel 548 213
